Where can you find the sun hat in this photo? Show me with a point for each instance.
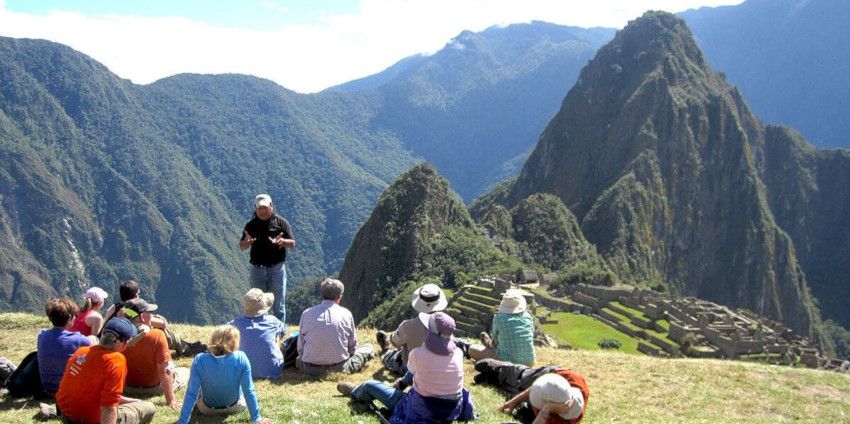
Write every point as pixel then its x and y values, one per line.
pixel 121 327
pixel 513 302
pixel 553 388
pixel 429 298
pixel 257 303
pixel 440 329
pixel 97 294
pixel 262 200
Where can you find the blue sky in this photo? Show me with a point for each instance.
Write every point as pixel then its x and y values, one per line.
pixel 303 45
pixel 261 15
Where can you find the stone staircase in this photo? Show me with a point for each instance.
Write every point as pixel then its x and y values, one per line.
pixel 472 308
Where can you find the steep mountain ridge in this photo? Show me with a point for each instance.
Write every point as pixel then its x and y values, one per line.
pixel 648 120
pixel 107 180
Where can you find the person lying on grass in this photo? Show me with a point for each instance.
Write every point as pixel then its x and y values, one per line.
pixel 543 395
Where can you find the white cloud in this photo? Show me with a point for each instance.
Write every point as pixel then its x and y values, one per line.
pixel 306 58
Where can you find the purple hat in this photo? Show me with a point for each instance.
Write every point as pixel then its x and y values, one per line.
pixel 440 330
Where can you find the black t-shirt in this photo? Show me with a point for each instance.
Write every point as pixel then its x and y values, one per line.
pixel 263 252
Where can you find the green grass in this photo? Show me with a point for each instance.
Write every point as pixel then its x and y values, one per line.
pixel 584 332
pixel 624 388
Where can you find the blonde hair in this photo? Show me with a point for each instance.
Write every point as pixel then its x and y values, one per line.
pixel 224 340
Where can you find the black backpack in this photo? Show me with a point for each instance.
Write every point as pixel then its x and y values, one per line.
pixel 26 380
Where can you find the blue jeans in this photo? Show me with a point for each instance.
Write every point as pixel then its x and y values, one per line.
pixel 272 279
pixel 376 390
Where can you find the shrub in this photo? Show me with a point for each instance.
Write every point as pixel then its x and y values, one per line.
pixel 609 344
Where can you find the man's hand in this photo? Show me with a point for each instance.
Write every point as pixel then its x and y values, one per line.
pixel 265 421
pixel 175 405
pixel 247 241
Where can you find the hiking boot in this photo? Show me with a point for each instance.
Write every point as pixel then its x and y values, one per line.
pixel 486 340
pixel 345 388
pixel 383 340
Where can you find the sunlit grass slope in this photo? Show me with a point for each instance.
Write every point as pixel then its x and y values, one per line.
pixel 624 388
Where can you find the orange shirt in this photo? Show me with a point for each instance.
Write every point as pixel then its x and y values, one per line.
pixel 143 358
pixel 93 378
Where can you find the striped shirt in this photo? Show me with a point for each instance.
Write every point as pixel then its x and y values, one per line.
pixel 515 336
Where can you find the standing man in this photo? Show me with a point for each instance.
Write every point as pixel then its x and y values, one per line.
pixel 268 235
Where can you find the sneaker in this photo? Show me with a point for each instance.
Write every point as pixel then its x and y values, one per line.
pixel 345 388
pixel 383 340
pixel 486 340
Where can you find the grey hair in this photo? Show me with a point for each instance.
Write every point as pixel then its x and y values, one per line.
pixel 109 339
pixel 332 289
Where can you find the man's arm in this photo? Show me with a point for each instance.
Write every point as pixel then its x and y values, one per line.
pixel 166 376
pixel 158 321
pixel 510 405
pixel 108 414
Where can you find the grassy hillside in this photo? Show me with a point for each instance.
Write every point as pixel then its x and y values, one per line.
pixel 624 388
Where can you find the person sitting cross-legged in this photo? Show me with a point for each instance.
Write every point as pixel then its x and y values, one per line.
pixel 542 395
pixel 149 367
pixel 261 334
pixel 220 381
pixel 411 333
pixel 327 340
pixel 512 333
pixel 57 344
pixel 437 395
pixel 90 389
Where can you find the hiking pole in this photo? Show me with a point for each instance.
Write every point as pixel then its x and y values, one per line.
pixel 377 411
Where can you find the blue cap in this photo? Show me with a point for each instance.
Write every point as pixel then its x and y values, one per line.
pixel 121 327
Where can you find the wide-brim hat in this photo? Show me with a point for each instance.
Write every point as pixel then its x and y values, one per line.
pixel 257 303
pixel 440 329
pixel 555 388
pixel 429 298
pixel 513 302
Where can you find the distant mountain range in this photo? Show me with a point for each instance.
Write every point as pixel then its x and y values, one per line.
pixel 103 180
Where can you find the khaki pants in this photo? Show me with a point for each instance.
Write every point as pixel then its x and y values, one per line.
pixel 353 364
pixel 239 406
pixel 181 378
pixel 140 412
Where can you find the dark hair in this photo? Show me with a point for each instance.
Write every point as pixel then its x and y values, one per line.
pixel 60 310
pixel 128 290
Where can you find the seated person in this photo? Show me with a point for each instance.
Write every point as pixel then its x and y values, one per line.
pixel 556 395
pixel 261 334
pixel 88 320
pixel 327 340
pixel 130 290
pixel 90 390
pixel 411 333
pixel 150 370
pixel 57 344
pixel 512 330
pixel 220 381
pixel 437 394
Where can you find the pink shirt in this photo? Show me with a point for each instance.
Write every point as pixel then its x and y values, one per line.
pixel 326 334
pixel 436 375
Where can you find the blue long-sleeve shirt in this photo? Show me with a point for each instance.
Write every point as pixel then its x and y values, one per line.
pixel 222 379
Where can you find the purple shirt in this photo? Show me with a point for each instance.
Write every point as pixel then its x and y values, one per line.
pixel 258 339
pixel 326 334
pixel 55 346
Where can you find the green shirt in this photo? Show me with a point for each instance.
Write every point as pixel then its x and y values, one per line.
pixel 515 336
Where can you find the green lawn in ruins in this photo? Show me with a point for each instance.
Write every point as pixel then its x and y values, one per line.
pixel 584 332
